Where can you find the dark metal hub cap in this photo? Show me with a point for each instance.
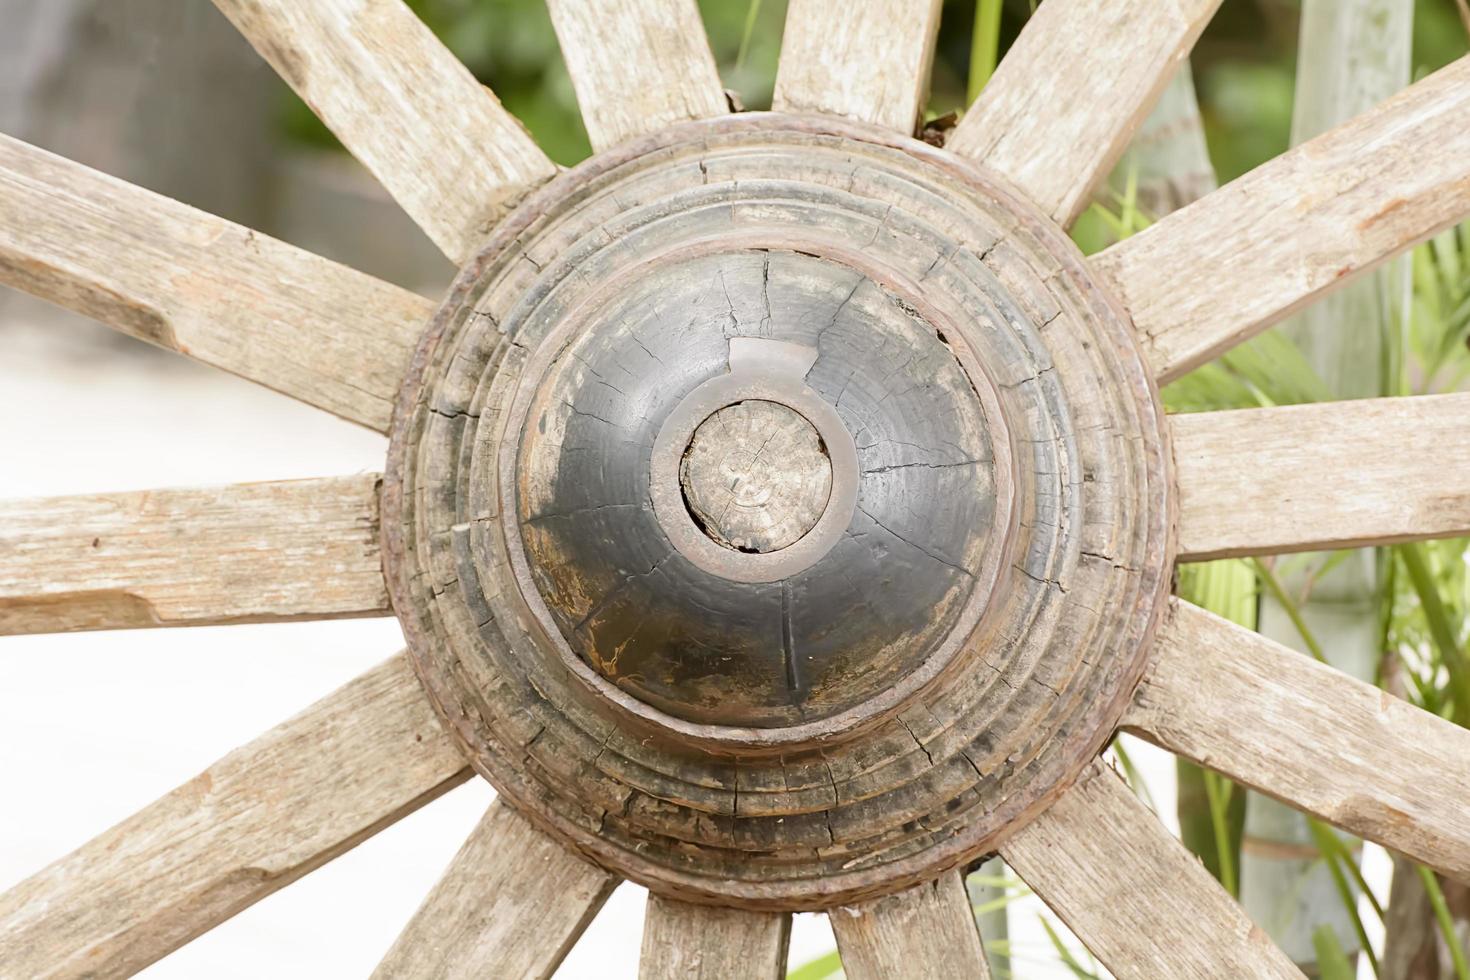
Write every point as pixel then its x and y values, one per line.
pixel 774 511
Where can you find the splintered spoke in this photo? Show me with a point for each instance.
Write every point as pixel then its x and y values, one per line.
pixel 682 940
pixel 307 549
pixel 1221 270
pixel 511 904
pixel 868 61
pixel 437 140
pixel 1135 897
pixel 190 282
pixel 637 65
pixel 1069 94
pixel 1317 739
pixel 926 931
pixel 1251 482
pixel 258 819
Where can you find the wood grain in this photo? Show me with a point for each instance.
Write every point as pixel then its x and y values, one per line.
pixel 1068 96
pixel 261 552
pixel 438 140
pixel 1308 735
pixel 512 903
pixel 190 282
pixel 1136 898
pixel 682 941
pixel 1221 270
pixel 258 819
pixel 637 65
pixel 1252 481
pixel 867 61
pixel 927 931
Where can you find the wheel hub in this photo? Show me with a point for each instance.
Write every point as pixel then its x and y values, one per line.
pixel 776 511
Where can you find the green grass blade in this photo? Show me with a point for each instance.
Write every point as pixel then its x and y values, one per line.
pixel 1417 565
pixel 1445 920
pixel 818 969
pixel 751 14
pixel 1289 605
pixel 1336 855
pixel 1219 801
pixel 1332 962
pixel 1078 970
pixel 984 47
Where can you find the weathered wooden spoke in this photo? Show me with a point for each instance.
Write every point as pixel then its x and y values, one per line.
pixel 637 65
pixel 512 903
pixel 258 819
pixel 926 931
pixel 438 140
pixel 1135 897
pixel 305 549
pixel 190 282
pixel 868 61
pixel 1221 270
pixel 681 940
pixel 1311 736
pixel 1071 91
pixel 1250 482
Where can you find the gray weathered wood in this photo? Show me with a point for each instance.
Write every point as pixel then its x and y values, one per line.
pixel 1252 481
pixel 258 819
pixel 682 941
pixel 868 61
pixel 190 282
pixel 1069 94
pixel 1221 270
pixel 512 903
pixel 637 65
pixel 259 552
pixel 1135 897
pixel 439 141
pixel 1309 735
pixel 926 932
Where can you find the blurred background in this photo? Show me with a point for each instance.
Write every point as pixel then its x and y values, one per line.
pixel 165 94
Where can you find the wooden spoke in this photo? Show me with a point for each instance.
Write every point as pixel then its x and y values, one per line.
pixel 1135 897
pixel 1069 94
pixel 637 65
pixel 681 940
pixel 1250 482
pixel 868 61
pixel 185 280
pixel 1221 270
pixel 307 549
pixel 511 904
pixel 437 140
pixel 927 931
pixel 1313 737
pixel 256 820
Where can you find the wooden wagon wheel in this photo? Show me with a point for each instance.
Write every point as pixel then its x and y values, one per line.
pixel 779 510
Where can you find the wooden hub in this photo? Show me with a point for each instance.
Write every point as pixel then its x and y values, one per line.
pixel 756 476
pixel 777 511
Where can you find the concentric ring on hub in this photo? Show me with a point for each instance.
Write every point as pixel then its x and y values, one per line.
pixel 951 648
